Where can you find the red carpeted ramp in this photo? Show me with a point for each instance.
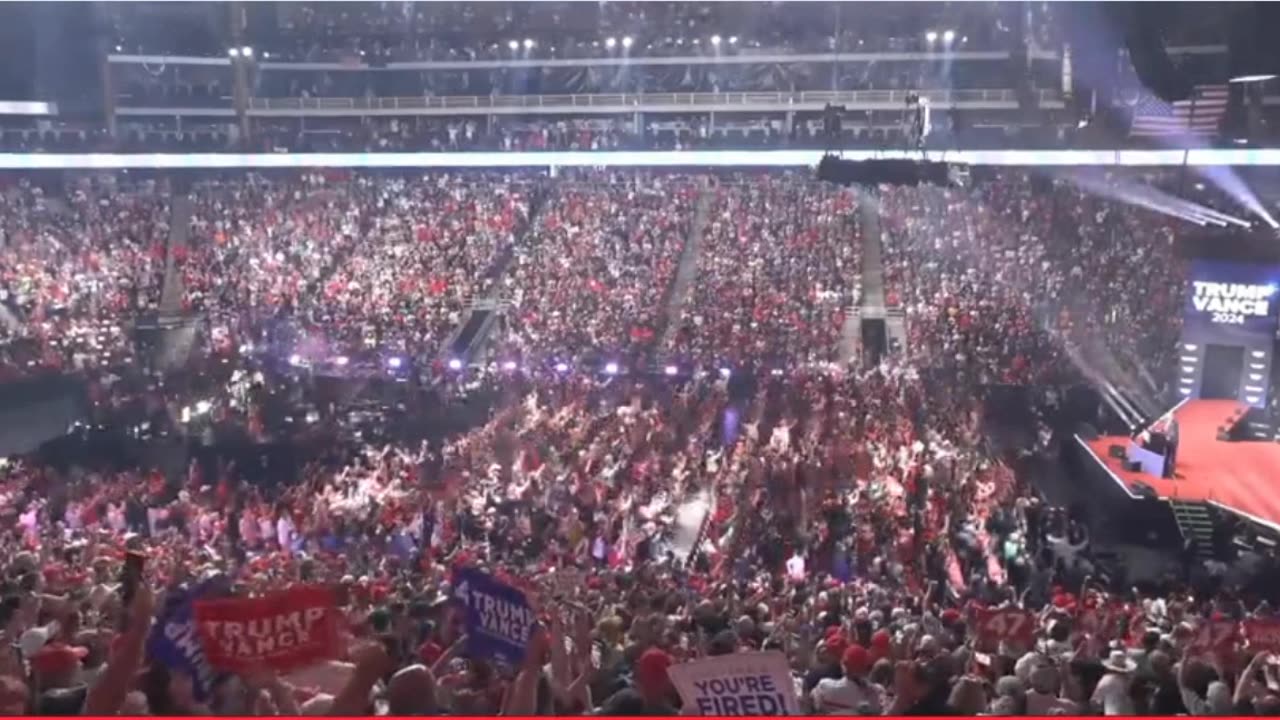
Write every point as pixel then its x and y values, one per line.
pixel 1242 476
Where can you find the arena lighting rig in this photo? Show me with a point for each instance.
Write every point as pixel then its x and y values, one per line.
pixel 889 172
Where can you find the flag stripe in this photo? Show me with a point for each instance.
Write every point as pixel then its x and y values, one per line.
pixel 1200 115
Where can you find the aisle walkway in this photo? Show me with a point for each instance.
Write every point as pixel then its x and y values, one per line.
pixel 687 270
pixel 171 294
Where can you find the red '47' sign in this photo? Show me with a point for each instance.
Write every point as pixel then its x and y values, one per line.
pixel 1013 625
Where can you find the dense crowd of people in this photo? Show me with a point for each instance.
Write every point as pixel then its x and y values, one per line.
pixel 853 516
pixel 1036 283
pixel 319 32
pixel 75 263
pixel 778 273
pixel 353 263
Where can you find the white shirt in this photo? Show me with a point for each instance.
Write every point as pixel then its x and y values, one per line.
pixel 284 532
pixel 843 697
pixel 1112 695
pixel 1041 704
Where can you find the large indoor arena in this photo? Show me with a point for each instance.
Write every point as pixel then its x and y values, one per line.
pixel 639 358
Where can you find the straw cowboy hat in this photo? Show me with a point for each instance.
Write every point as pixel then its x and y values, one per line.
pixel 1120 662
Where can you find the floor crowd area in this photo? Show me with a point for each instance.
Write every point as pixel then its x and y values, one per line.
pixel 582 531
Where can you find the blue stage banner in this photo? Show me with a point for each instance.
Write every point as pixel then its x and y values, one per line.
pixel 1231 302
pixel 499 619
pixel 174 641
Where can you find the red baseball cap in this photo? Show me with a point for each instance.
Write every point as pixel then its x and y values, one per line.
pixel 58 657
pixel 856 660
pixel 651 667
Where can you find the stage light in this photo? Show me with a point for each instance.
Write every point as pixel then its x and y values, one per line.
pixel 119 48
pixel 949 35
pixel 513 45
pixel 233 52
pixel 725 373
pixel 395 362
pixel 715 39
pixel 562 367
pixel 1258 77
pixel 626 41
pixel 528 43
pixel 610 42
pixel 733 39
pixel 509 365
pixel 931 36
pixel 341 360
pixel 775 372
pixel 455 364
pixel 295 360
pixel 611 368
pixel 246 348
pixel 246 51
pixel 202 407
pixel 671 370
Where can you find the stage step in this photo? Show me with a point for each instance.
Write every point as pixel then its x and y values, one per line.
pixel 1195 522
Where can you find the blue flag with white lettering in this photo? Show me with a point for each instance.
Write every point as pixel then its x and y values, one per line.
pixel 499 619
pixel 174 641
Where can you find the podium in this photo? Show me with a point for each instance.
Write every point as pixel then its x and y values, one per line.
pixel 1149 461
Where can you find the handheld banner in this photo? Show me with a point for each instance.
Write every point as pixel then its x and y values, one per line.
pixel 739 684
pixel 1011 625
pixel 282 631
pixel 175 643
pixel 498 617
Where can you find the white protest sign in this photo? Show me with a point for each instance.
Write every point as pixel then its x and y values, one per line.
pixel 738 684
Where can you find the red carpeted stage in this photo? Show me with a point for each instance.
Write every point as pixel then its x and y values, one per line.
pixel 1241 476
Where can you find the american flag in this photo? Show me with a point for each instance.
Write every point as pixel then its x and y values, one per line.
pixel 1197 115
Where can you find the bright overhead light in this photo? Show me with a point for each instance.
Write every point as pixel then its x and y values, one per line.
pixel 119 48
pixel 931 36
pixel 610 42
pixel 233 52
pixel 715 39
pixel 626 41
pixel 949 35
pixel 611 368
pixel 528 43
pixel 513 44
pixel 246 51
pixel 1259 77
pixel 455 364
pixel 733 39
pixel 671 370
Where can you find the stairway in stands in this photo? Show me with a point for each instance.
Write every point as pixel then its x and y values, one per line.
pixel 872 304
pixel 180 212
pixel 469 343
pixel 1195 520
pixel 687 270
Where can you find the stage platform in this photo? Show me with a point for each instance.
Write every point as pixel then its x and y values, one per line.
pixel 1242 476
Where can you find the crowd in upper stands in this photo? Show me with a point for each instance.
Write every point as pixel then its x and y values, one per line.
pixel 776 492
pixel 366 32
